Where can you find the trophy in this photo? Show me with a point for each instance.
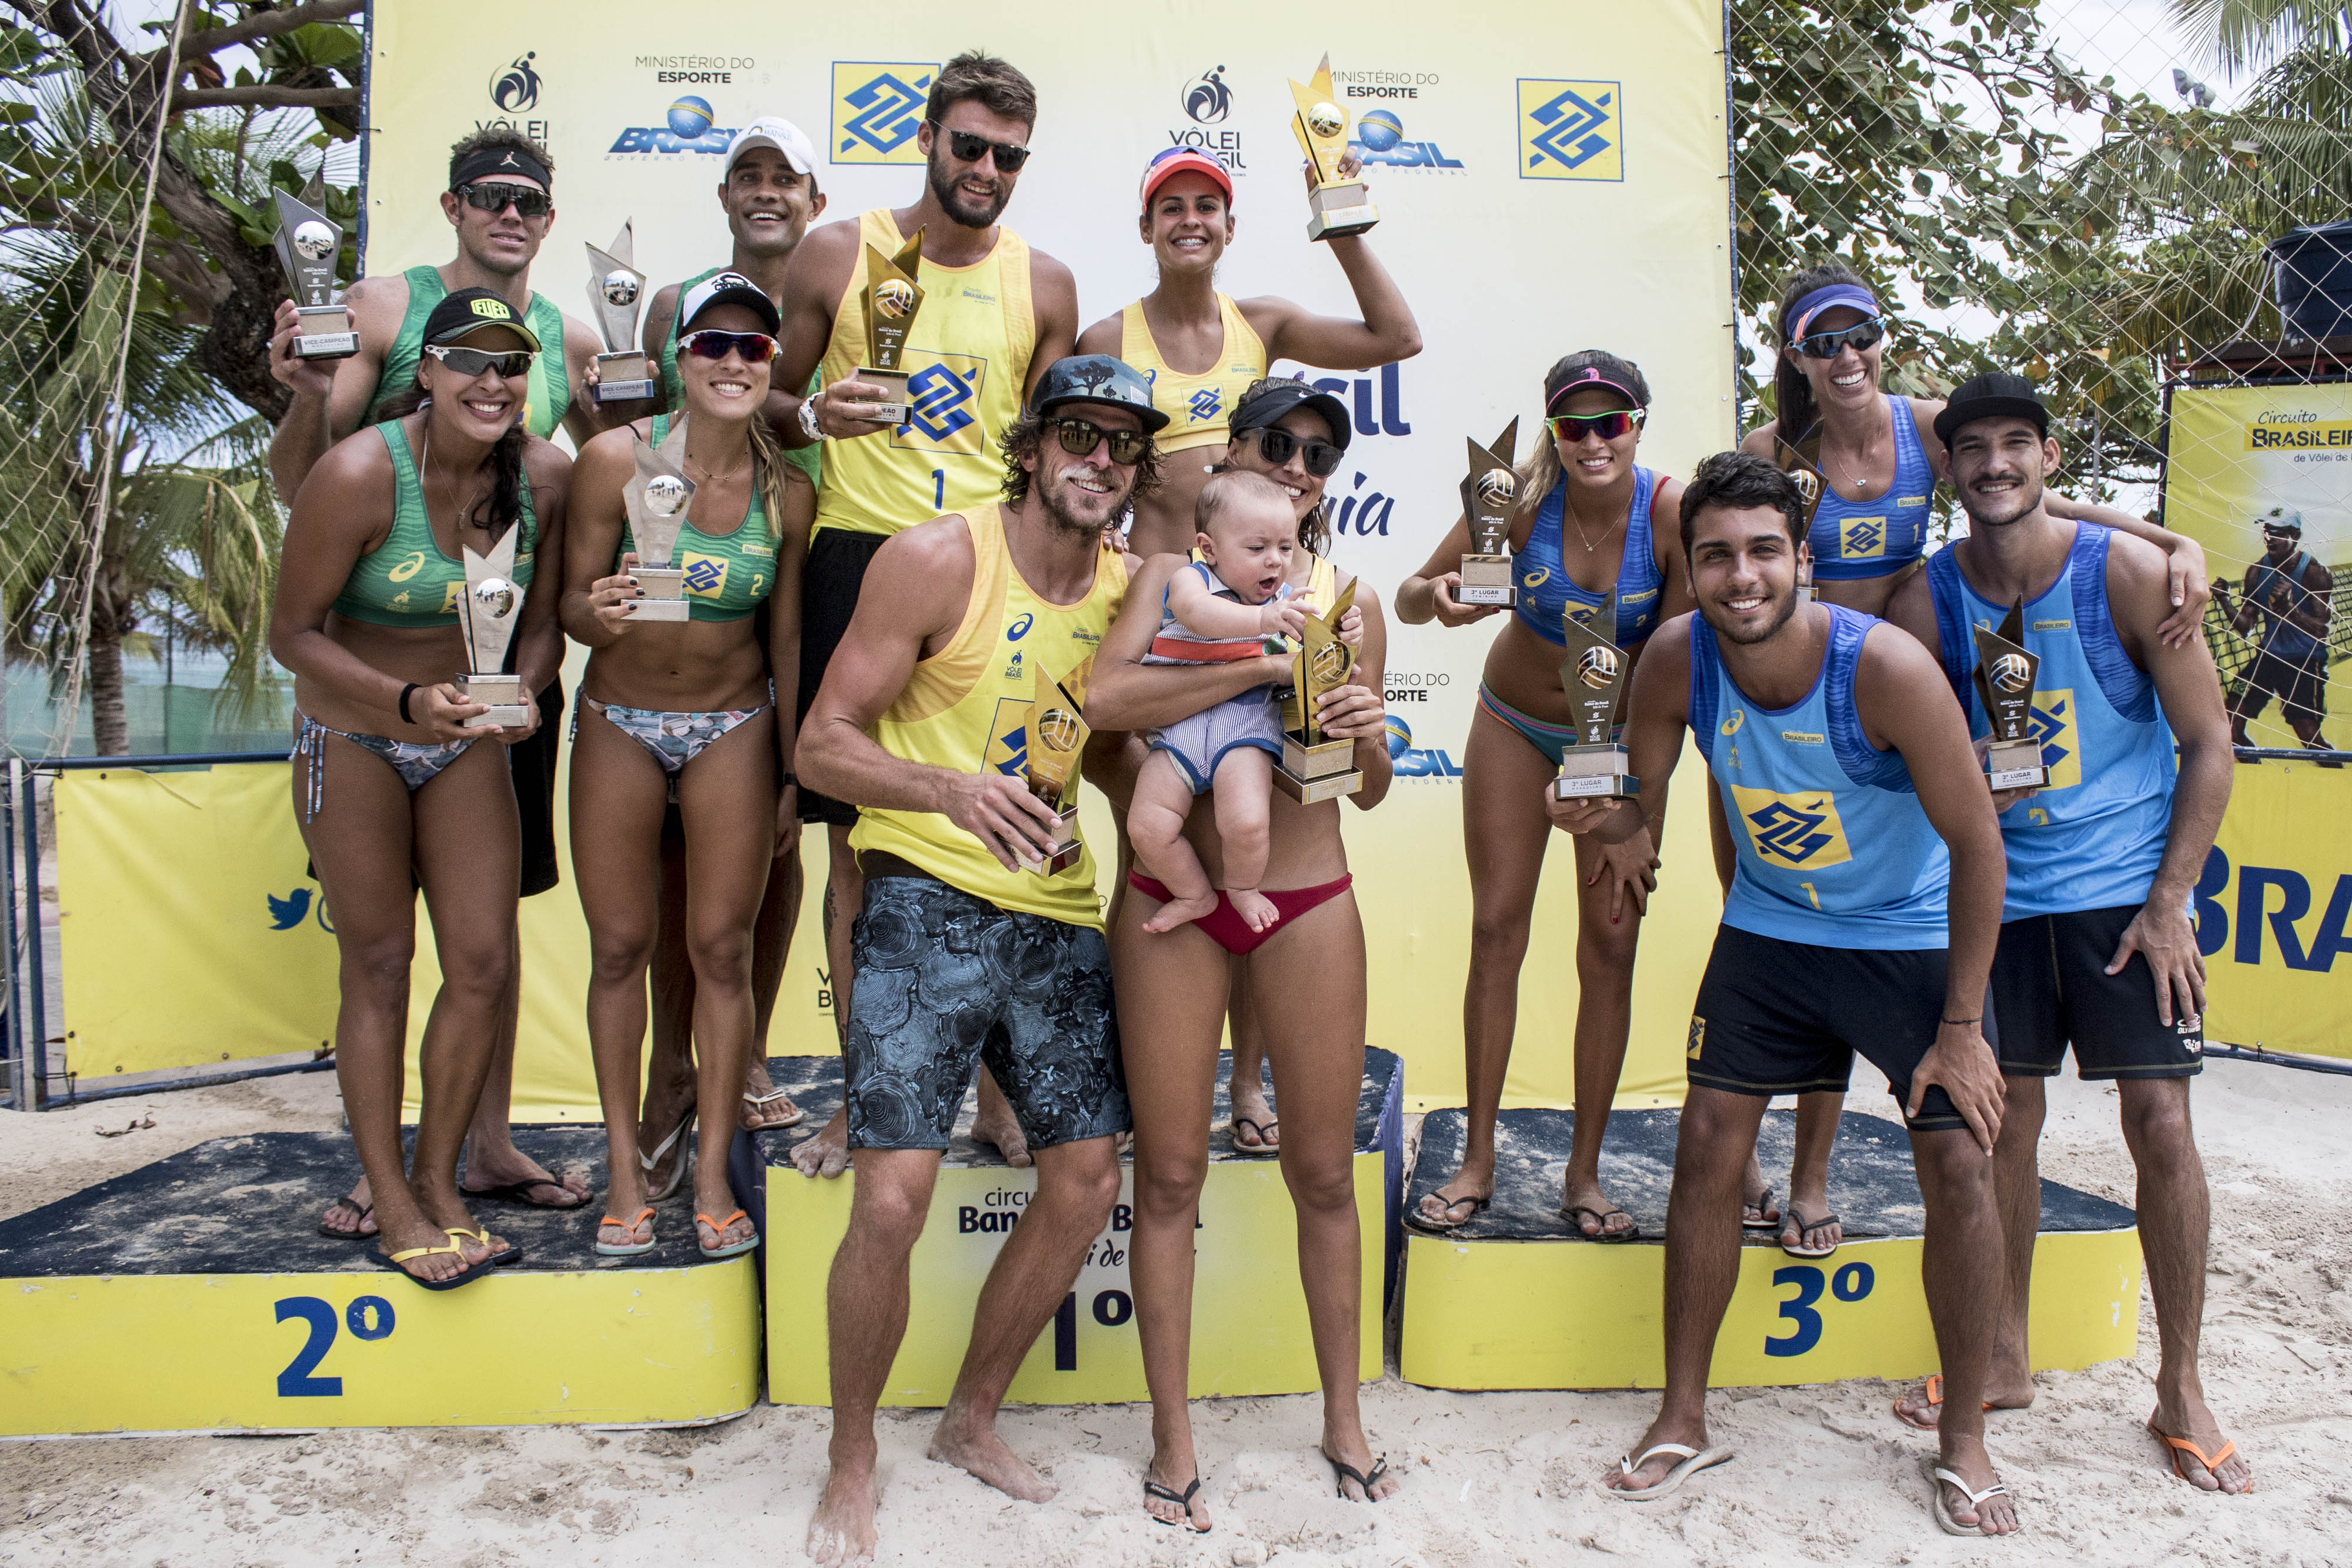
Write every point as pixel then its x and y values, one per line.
pixel 891 297
pixel 490 610
pixel 1336 208
pixel 657 497
pixel 2004 678
pixel 1057 738
pixel 307 247
pixel 1312 767
pixel 1488 492
pixel 1802 463
pixel 1593 675
pixel 624 373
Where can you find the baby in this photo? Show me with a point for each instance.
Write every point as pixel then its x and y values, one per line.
pixel 1218 609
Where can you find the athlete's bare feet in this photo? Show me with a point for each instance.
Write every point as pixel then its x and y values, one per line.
pixel 1966 1458
pixel 1255 909
pixel 974 1445
pixel 353 1217
pixel 1181 912
pixel 826 1155
pixel 2184 1416
pixel 2007 1387
pixel 995 1125
pixel 842 1530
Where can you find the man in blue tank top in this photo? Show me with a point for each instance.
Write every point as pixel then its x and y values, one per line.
pixel 2096 949
pixel 1864 836
pixel 2290 590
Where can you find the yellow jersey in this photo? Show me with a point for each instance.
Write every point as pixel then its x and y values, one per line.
pixel 967 360
pixel 1198 407
pixel 967 708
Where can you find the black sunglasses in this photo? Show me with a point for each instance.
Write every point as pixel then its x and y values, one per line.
pixel 710 343
pixel 497 196
pixel 472 362
pixel 1275 445
pixel 1826 345
pixel 1081 436
pixel 968 149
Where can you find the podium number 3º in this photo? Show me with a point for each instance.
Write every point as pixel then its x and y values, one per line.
pixel 368 1318
pixel 1850 1283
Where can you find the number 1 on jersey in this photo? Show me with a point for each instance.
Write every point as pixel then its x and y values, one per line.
pixel 1810 893
pixel 939 489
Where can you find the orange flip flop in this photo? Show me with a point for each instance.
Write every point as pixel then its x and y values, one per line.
pixel 718 1228
pixel 1935 1397
pixel 2176 1447
pixel 627 1246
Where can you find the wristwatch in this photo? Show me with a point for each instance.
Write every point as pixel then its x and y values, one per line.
pixel 808 420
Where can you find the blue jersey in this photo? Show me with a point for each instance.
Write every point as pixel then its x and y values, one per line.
pixel 2281 635
pixel 1834 850
pixel 1547 593
pixel 1881 537
pixel 2091 838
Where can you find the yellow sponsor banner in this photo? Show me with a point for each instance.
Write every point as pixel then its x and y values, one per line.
pixel 2272 908
pixel 188 930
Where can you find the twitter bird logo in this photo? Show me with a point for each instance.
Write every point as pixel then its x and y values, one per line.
pixel 287 913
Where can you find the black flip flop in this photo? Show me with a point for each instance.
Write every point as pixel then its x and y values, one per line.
pixel 464 1276
pixel 1630 1233
pixel 1261 1149
pixel 1346 1473
pixel 1428 1226
pixel 1804 1225
pixel 1182 1500
pixel 354 1235
pixel 518 1194
pixel 1771 1225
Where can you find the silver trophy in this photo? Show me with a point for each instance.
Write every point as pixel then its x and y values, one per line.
pixel 616 287
pixel 307 247
pixel 490 611
pixel 657 497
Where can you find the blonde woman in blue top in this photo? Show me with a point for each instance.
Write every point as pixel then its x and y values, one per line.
pixel 393 789
pixel 687 711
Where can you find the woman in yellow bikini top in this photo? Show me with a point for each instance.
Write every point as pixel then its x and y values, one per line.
pixel 1188 220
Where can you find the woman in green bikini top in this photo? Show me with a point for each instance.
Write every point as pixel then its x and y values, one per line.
pixel 685 711
pixel 366 619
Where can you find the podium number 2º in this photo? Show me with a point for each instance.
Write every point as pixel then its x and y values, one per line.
pixel 1850 1283
pixel 368 1318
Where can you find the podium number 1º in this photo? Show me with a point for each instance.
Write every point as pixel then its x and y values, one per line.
pixel 368 1318
pixel 1113 1309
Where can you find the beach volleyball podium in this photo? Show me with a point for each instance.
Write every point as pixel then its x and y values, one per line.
pixel 1516 1299
pixel 193 1295
pixel 1249 1317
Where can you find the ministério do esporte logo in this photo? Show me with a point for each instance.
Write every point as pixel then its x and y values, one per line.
pixel 687 127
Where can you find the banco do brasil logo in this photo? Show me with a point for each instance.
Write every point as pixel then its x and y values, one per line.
pixel 1207 99
pixel 514 87
pixel 1571 129
pixel 877 108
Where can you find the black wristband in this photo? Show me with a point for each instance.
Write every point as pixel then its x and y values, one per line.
pixel 1978 1019
pixel 792 781
pixel 404 693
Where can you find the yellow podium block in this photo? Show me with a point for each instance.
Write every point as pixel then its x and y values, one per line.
pixel 1249 1315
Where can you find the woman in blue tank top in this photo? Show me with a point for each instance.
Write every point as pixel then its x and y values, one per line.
pixel 392 789
pixel 1583 532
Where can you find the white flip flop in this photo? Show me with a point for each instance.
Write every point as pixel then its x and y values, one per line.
pixel 1692 1461
pixel 1937 1476
pixel 661 1152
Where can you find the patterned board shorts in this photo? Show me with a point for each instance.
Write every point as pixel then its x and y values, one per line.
pixel 944 978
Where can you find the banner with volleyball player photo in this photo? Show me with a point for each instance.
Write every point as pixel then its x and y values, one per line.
pixel 1495 147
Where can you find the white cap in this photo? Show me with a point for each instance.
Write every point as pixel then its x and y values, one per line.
pixel 769 131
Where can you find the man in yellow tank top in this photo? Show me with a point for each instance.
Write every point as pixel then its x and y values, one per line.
pixel 993 310
pixel 963 954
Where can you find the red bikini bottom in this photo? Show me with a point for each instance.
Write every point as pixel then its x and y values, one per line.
pixel 1225 925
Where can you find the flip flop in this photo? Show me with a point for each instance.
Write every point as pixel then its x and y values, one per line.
pixel 511 1253
pixel 661 1152
pixel 627 1228
pixel 354 1235
pixel 1760 1204
pixel 1342 1474
pixel 518 1193
pixel 1935 1397
pixel 2176 1447
pixel 1182 1500
pixel 1937 1476
pixel 464 1276
pixel 1803 1224
pixel 1420 1220
pixel 1604 1234
pixel 1258 1130
pixel 718 1228
pixel 770 1098
pixel 1692 1461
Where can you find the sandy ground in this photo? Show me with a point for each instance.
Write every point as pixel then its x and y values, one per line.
pixel 1824 1475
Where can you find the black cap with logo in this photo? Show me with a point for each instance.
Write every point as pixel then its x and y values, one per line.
pixel 471 310
pixel 1993 395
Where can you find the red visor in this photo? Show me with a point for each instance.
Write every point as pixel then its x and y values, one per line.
pixel 1177 160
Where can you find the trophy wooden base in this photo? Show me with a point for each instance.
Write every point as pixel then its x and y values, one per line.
pixel 664 590
pixel 1595 773
pixel 1066 848
pixel 2016 765
pixel 509 708
pixel 1324 771
pixel 625 377
pixel 335 340
pixel 1486 580
pixel 1335 212
pixel 892 408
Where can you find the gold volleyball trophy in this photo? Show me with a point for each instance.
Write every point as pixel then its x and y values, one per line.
pixel 1336 208
pixel 490 610
pixel 1593 675
pixel 1488 493
pixel 307 247
pixel 615 286
pixel 1058 740
pixel 1802 463
pixel 1314 767
pixel 656 498
pixel 2004 677
pixel 891 297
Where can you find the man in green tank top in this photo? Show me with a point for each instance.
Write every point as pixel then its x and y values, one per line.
pixel 497 242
